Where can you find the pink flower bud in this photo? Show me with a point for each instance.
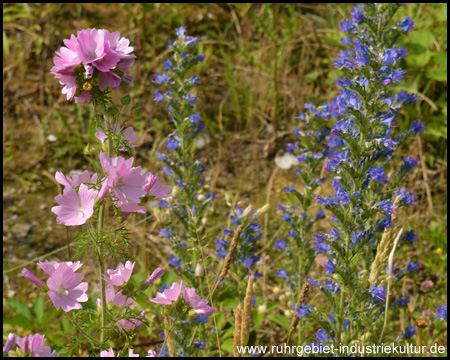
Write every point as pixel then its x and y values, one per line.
pixel 30 276
pixel 26 345
pixel 103 191
pixel 155 275
pixel 10 342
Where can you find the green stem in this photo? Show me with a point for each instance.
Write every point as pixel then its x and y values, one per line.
pixel 340 320
pixel 68 243
pixel 341 315
pixel 101 216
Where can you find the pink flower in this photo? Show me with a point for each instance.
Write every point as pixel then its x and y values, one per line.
pixel 130 136
pixel 110 353
pixel 152 353
pixel 10 342
pixel 132 354
pixel 75 209
pixel 35 345
pixel 66 289
pixel 50 267
pixel 66 58
pixel 70 85
pixel 30 276
pixel 103 191
pixel 427 285
pixel 90 45
pixel 84 97
pixel 108 79
pixel 131 207
pixel 117 44
pixel 92 48
pixel 128 324
pixel 196 301
pixel 108 61
pixel 169 295
pixel 155 275
pixel 118 299
pixel 76 179
pixel 121 301
pixel 125 181
pixel 121 275
pixel 107 353
pixel 155 187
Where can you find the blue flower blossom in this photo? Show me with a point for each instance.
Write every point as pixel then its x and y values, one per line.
pixel 406 24
pixel 280 244
pixel 441 312
pixel 410 331
pixel 412 266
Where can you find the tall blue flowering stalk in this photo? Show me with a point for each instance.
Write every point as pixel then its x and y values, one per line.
pixel 363 143
pixel 302 212
pixel 185 170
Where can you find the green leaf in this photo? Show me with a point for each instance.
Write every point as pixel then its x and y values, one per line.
pixel 421 40
pixel 312 76
pixel 280 320
pixel 19 320
pixel 258 318
pixel 419 60
pixel 441 58
pixel 113 111
pixel 126 100
pixel 49 315
pixel 228 333
pixel 136 279
pixel 169 277
pixel 38 310
pixel 271 305
pixel 227 345
pixel 438 75
pixel 442 14
pixel 19 307
pixel 219 320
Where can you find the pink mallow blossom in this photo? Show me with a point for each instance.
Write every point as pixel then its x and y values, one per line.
pixel 34 344
pixel 120 275
pixel 92 48
pixel 128 324
pixel 50 267
pixel 196 301
pixel 66 289
pixel 155 188
pixel 75 208
pixel 169 296
pixel 110 353
pixel 131 207
pixel 76 179
pixel 124 180
pixel 121 301
pixel 117 299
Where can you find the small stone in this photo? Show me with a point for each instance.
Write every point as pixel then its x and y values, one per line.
pixel 52 138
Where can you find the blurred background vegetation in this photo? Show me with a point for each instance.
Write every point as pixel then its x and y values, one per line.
pixel 263 63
